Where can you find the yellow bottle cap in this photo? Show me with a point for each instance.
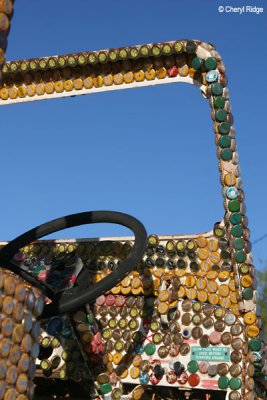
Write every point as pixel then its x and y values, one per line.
pixel 163 295
pixel 128 77
pixel 98 81
pixel 126 290
pixel 201 241
pixel 181 292
pixel 163 308
pixel 213 298
pixel 190 281
pixel 184 70
pixel 78 84
pixel 230 179
pixel 138 393
pixel 137 360
pixel 203 254
pixel 122 371
pixel 40 89
pixel 213 244
pixel 4 94
pixel 161 73
pixel 250 318
pixel 31 90
pixel 137 291
pixel 88 82
pixel 116 358
pixel 201 283
pixel 118 78
pixel 191 293
pixel 136 282
pixel 215 257
pixel 49 88
pixel 68 85
pixel 22 91
pixel 252 331
pixel 246 281
pixel 139 76
pixel 224 290
pixel 233 297
pixel 134 372
pixel 225 302
pixel 13 92
pixel 223 276
pixel 126 281
pixel 212 286
pixel 150 75
pixel 116 289
pixel 212 275
pixel 231 285
pixel 202 296
pixel 205 266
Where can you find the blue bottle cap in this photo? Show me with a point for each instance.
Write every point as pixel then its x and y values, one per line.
pixel 232 193
pixel 143 378
pixel 212 76
pixel 55 326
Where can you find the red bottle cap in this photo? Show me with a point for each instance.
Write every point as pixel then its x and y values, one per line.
pixel 193 380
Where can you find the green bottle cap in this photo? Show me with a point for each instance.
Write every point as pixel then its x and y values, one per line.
pixel 90 317
pixel 156 50
pixel 113 55
pixel 178 47
pixel 226 154
pixel 166 49
pixel 240 256
pixel 105 388
pixel 196 62
pixel 219 102
pixel 153 240
pixel 225 141
pixel 223 382
pixel 235 218
pixel 180 245
pixel 192 366
pixel 234 205
pixel 157 338
pixel 210 63
pixel 244 269
pixel 45 364
pixel 239 244
pixel 216 89
pixel 62 374
pixel 150 349
pixel 254 345
pixel 37 270
pixel 247 294
pixel 220 115
pixel 116 394
pixel 134 52
pixel 119 345
pixel 224 128
pixel 235 383
pixel 237 230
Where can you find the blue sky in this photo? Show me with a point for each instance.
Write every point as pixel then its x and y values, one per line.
pixel 149 152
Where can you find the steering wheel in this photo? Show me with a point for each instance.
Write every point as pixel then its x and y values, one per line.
pixel 73 298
